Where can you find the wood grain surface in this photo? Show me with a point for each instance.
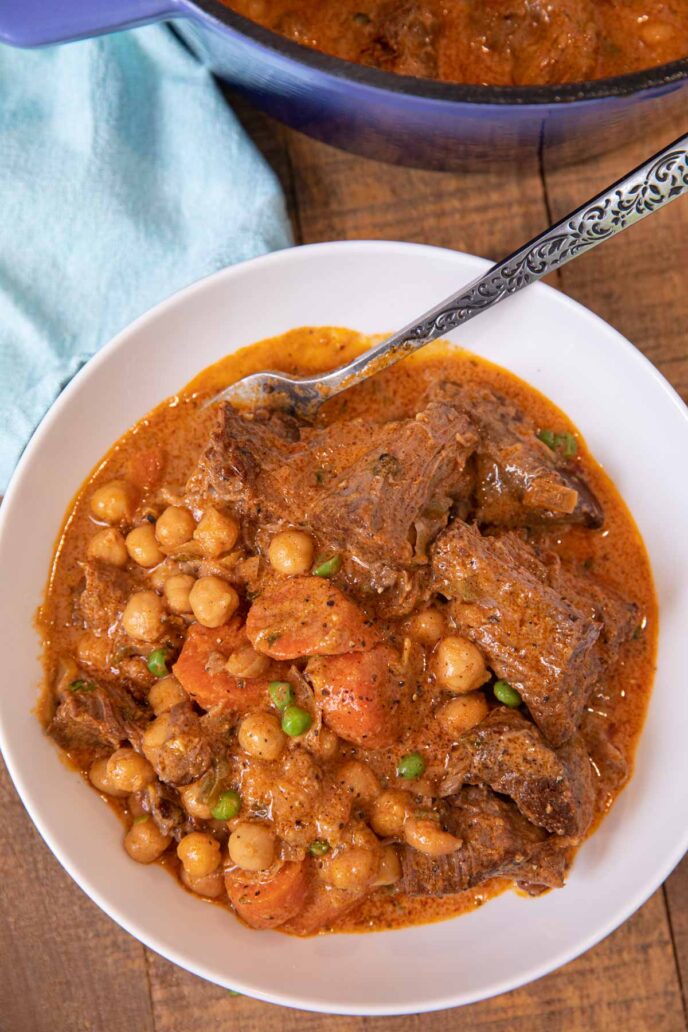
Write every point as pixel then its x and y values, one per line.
pixel 64 966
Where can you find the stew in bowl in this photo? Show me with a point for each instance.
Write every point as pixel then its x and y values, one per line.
pixel 359 674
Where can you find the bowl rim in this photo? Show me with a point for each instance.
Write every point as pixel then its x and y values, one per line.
pixel 122 917
pixel 368 77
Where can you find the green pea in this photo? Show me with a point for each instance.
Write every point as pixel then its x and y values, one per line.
pixel 296 721
pixel 506 694
pixel 82 686
pixel 157 662
pixel 281 694
pixel 411 766
pixel 319 847
pixel 227 806
pixel 327 566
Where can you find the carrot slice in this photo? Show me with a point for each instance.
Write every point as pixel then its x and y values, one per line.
pixel 307 616
pixel 322 907
pixel 267 902
pixel 200 669
pixel 360 695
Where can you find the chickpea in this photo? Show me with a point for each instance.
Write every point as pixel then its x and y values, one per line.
pixel 325 744
pixel 458 665
pixel 144 842
pixel 389 870
pixel 427 626
pixel 246 662
pixel 114 502
pixel 109 547
pixel 199 853
pixel 427 837
pixel 260 735
pixel 653 33
pixel 291 552
pixel 159 575
pixel 175 527
pixel 177 590
pixel 142 546
pixel 213 601
pixel 191 796
pixel 100 779
pixel 143 616
pixel 463 712
pixel 165 694
pixel 358 779
pixel 354 869
pixel 129 771
pixel 252 846
pixel 216 533
pixel 157 733
pixel 389 813
pixel 209 885
pixel 93 651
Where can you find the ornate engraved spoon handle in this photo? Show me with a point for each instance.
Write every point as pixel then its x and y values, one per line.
pixel 650 186
pixel 660 180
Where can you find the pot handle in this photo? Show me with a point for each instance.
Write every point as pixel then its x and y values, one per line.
pixel 37 23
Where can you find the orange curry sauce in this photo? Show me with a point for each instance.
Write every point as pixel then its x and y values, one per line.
pixel 182 426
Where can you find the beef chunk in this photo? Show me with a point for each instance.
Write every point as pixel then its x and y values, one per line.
pixel 496 841
pixel 97 721
pixel 403 39
pixel 104 597
pixel 163 804
pixel 608 762
pixel 186 746
pixel 599 602
pixel 532 636
pixel 377 492
pixel 553 789
pixel 519 481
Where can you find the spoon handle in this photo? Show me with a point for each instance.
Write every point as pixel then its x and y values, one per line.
pixel 644 190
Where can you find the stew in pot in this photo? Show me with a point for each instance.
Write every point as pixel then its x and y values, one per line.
pixel 489 42
pixel 360 673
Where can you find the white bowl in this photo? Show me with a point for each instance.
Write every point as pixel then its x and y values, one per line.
pixel 635 425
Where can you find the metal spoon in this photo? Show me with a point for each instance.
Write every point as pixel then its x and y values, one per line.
pixel 644 190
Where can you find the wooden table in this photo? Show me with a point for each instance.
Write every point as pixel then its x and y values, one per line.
pixel 64 965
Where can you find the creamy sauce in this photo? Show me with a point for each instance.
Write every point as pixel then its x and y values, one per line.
pixel 616 552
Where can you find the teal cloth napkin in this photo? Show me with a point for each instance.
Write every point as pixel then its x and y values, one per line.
pixel 124 176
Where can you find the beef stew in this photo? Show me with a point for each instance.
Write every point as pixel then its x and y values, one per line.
pixel 356 674
pixel 491 42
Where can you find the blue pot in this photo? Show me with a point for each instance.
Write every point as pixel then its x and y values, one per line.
pixel 393 118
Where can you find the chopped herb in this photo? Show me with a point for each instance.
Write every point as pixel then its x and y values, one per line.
pixel 82 686
pixel 319 847
pixel 141 818
pixel 548 437
pixel 281 694
pixel 327 566
pixel 564 443
pixel 157 663
pixel 361 18
pixel 275 636
pixel 320 476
